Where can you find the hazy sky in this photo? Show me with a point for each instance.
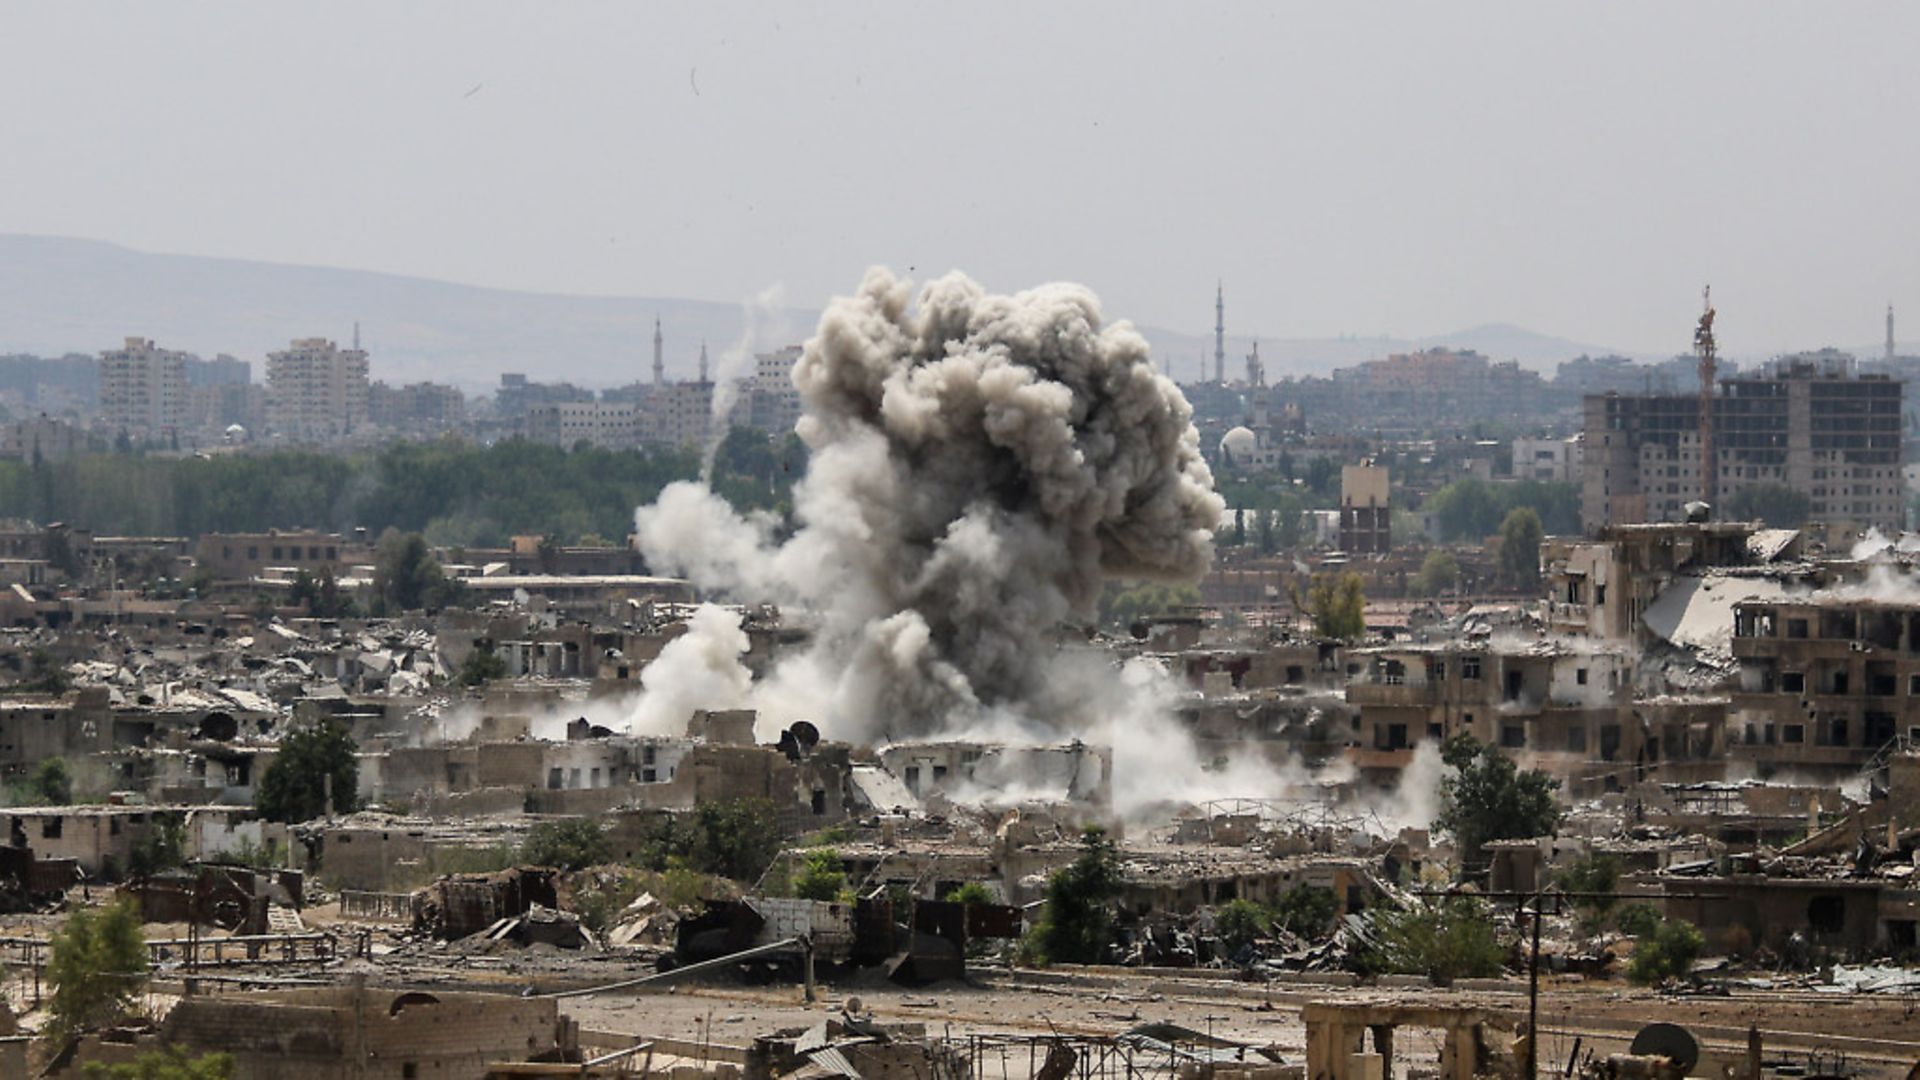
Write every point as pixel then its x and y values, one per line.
pixel 1346 168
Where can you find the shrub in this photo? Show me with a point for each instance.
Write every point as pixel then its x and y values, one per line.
pixel 1239 923
pixel 820 878
pixel 973 892
pixel 1449 939
pixel 1668 953
pixel 1639 919
pixel 1306 910
pixel 169 1064
pixel 570 844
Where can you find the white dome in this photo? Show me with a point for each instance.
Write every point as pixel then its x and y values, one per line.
pixel 1240 443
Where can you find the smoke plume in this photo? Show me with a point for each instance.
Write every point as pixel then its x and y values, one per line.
pixel 980 466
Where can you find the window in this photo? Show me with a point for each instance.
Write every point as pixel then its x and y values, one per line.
pixel 1599 594
pixel 819 801
pixel 276 552
pixel 1796 628
pixel 1793 733
pixel 1576 740
pixel 1580 676
pixel 1793 682
pixel 50 828
pixel 555 778
pixel 1513 736
pixel 1469 667
pixel 648 776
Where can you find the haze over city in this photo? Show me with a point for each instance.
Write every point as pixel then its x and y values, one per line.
pixel 1403 170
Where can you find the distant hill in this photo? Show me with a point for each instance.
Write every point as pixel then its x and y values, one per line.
pixel 1317 356
pixel 62 295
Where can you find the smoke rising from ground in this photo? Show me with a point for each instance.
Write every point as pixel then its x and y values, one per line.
pixel 980 466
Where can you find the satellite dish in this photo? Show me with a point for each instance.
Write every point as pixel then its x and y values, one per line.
pixel 1670 1041
pixel 805 734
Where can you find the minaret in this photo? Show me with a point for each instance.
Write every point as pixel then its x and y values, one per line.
pixel 703 361
pixel 1889 331
pixel 659 357
pixel 1220 333
pixel 1256 375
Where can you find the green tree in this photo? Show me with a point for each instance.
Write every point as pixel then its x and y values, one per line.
pixel 1239 923
pixel 1774 505
pixel 1466 509
pixel 1639 919
pixel 1078 921
pixel 50 784
pixel 1667 953
pixel 1446 939
pixel 1487 797
pixel 1306 910
pixel 162 847
pixel 44 675
pixel 569 844
pixel 305 592
pixel 971 892
pixel 737 838
pixel 169 1064
pixel 406 577
pixel 1337 603
pixel 1121 606
pixel 294 787
pixel 1520 536
pixel 1439 573
pixel 481 667
pixel 97 965
pixel 820 877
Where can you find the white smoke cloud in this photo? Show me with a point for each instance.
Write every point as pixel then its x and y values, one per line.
pixel 700 669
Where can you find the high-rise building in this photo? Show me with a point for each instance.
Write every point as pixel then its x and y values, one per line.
pixel 1809 425
pixel 143 389
pixel 774 404
pixel 316 391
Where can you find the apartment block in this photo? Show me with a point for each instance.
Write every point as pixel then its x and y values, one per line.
pixel 1810 425
pixel 143 389
pixel 316 391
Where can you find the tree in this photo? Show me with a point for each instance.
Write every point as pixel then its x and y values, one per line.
pixel 1520 536
pixel 294 787
pixel 97 965
pixel 1668 953
pixel 1774 505
pixel 305 592
pixel 1487 797
pixel 738 838
pixel 569 844
pixel 1078 923
pixel 481 667
pixel 51 783
pixel 1306 910
pixel 1337 603
pixel 1439 573
pixel 406 577
pixel 820 877
pixel 162 847
pixel 1239 923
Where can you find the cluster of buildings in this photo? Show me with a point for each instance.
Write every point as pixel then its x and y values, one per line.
pixel 316 392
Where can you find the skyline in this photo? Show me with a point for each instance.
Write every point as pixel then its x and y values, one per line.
pixel 1345 174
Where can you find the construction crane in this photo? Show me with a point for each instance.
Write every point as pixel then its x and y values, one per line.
pixel 1703 345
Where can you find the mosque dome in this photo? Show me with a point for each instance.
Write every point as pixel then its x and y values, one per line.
pixel 1240 443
